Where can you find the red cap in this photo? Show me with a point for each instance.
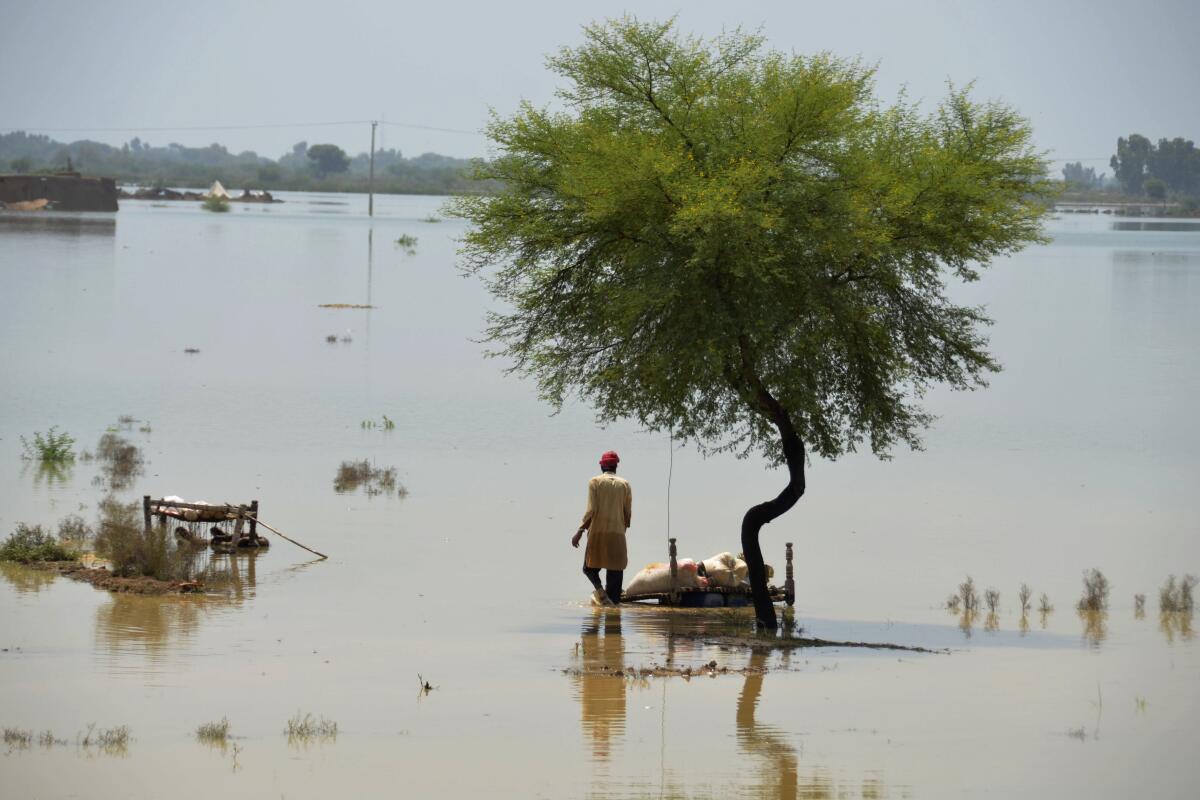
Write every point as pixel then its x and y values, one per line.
pixel 609 459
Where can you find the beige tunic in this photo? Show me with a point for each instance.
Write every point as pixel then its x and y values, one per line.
pixel 609 512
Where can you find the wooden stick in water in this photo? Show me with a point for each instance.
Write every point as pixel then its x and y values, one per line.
pixel 284 536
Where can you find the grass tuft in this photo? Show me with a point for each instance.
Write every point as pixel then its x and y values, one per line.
pixel 18 738
pixel 305 728
pixel 216 733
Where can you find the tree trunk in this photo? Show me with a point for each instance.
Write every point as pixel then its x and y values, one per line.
pixel 761 514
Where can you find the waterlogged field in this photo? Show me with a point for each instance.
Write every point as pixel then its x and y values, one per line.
pixel 450 557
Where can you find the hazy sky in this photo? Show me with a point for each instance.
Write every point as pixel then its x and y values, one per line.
pixel 1084 72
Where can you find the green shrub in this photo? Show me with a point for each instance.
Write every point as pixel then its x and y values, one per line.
pixel 28 544
pixel 52 447
pixel 133 551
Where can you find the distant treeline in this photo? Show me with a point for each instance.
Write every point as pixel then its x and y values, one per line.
pixel 320 167
pixel 1143 169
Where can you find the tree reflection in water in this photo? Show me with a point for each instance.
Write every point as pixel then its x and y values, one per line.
pixel 775 772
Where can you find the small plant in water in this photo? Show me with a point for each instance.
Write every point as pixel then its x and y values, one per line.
pixel 1044 606
pixel 953 603
pixel 374 480
pixel 331 338
pixel 51 447
pixel 306 727
pixel 1095 591
pixel 29 544
pixel 1177 595
pixel 47 739
pixel 18 738
pixel 408 243
pixel 113 741
pixel 1139 605
pixel 1023 595
pixel 992 597
pixel 215 733
pixel 968 595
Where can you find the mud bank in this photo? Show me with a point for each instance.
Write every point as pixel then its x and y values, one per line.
pixel 103 579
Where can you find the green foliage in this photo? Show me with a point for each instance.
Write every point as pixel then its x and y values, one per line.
pixel 713 236
pixel 178 166
pixel 327 159
pixel 51 447
pixel 1076 176
pixel 409 243
pixel 1173 165
pixel 1155 188
pixel 28 544
pixel 133 551
pixel 215 203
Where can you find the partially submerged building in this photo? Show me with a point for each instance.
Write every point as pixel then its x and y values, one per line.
pixel 68 191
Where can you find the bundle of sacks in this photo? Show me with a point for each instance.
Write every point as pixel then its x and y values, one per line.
pixel 724 570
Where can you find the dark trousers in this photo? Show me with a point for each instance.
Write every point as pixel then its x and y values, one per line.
pixel 613 579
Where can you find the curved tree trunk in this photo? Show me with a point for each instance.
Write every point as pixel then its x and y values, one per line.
pixel 761 514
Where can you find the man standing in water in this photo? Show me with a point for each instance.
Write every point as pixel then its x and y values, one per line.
pixel 609 509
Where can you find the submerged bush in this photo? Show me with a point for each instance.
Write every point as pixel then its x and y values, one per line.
pixel 74 530
pixel 214 732
pixel 1177 595
pixel 1095 591
pixel 1023 595
pixel 133 551
pixel 968 595
pixel 51 447
pixel 215 203
pixel 28 544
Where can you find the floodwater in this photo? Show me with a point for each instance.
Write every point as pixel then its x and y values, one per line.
pixel 1081 454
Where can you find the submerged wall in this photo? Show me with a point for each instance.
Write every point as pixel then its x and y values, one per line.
pixel 68 192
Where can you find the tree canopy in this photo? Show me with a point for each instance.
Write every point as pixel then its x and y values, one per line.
pixel 328 158
pixel 745 247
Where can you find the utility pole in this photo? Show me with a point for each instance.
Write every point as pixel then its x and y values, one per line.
pixel 371 175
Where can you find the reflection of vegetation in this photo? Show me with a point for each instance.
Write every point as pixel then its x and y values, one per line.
pixel 1176 624
pixel 1095 626
pixel 28 544
pixel 24 579
pixel 991 623
pixel 1095 591
pixel 120 462
pixel 51 447
pixel 374 480
pixel 966 622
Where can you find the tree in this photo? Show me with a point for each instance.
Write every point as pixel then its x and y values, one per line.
pixel 1156 189
pixel 1129 164
pixel 744 248
pixel 327 159
pixel 1078 176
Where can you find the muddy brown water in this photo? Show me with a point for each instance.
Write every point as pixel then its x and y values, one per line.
pixel 1081 454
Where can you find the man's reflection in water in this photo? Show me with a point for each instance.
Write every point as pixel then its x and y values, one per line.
pixel 602 697
pixel 780 778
